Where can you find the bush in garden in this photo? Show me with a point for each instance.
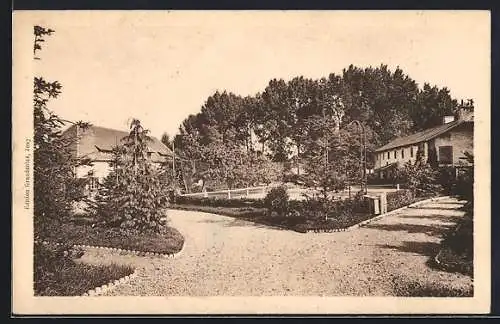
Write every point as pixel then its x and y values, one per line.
pixel 420 178
pixel 464 187
pixel 400 198
pixel 276 201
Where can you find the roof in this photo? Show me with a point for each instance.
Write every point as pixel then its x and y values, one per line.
pixel 385 167
pixel 425 135
pixel 97 142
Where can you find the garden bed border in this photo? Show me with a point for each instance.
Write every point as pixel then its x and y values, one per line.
pixel 397 210
pixel 392 212
pixel 134 252
pixel 109 286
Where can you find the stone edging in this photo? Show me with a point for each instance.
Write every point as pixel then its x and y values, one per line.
pixel 139 253
pixel 392 212
pixel 109 286
pixel 396 211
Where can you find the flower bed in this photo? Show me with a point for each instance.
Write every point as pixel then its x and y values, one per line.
pixel 168 242
pixel 57 274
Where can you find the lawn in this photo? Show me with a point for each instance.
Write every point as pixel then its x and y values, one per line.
pixel 57 274
pixel 304 220
pixel 168 242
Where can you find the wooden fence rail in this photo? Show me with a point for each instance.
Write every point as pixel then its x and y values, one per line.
pixel 231 192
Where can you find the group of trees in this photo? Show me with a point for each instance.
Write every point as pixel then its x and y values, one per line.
pixel 309 120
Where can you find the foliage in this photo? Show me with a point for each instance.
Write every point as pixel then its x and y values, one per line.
pixel 419 177
pixel 457 252
pixel 54 163
pixel 278 121
pixel 400 198
pixel 57 274
pixel 276 201
pixel 464 187
pixel 133 196
pixel 219 202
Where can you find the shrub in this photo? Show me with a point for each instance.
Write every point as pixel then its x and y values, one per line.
pixel 457 251
pixel 419 177
pixel 277 201
pixel 219 202
pixel 400 198
pixel 464 186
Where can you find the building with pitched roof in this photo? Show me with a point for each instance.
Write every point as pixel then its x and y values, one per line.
pixel 96 144
pixel 443 145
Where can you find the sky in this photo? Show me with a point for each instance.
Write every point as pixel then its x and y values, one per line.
pixel 161 66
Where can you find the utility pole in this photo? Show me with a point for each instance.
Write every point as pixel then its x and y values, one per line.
pixel 362 157
pixel 326 142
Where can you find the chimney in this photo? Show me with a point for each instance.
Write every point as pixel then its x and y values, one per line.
pixel 448 119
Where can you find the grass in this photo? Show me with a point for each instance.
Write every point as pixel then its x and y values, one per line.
pixel 57 274
pixel 170 241
pixel 299 223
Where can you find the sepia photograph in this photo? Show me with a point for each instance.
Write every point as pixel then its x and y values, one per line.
pixel 251 162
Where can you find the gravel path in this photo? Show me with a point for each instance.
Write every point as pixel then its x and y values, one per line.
pixel 225 256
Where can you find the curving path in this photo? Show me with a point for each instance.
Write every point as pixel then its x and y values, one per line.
pixel 225 256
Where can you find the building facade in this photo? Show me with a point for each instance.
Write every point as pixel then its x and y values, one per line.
pixel 443 145
pixel 96 144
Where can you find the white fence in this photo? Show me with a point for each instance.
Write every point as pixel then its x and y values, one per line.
pixel 233 193
pixel 294 193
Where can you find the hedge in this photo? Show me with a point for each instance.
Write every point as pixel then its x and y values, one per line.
pixel 400 198
pixel 219 202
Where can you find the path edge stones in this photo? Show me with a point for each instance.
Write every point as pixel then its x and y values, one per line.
pixel 392 212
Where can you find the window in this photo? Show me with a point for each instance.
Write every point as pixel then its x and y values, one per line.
pixel 93 183
pixel 402 153
pixel 395 154
pixel 446 154
pixel 388 156
pixel 411 151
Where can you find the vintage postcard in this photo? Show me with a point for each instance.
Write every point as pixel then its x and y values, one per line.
pixel 251 162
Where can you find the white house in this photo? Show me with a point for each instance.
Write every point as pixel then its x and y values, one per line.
pixel 96 143
pixel 444 144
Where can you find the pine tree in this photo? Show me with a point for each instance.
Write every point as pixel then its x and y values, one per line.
pixel 134 195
